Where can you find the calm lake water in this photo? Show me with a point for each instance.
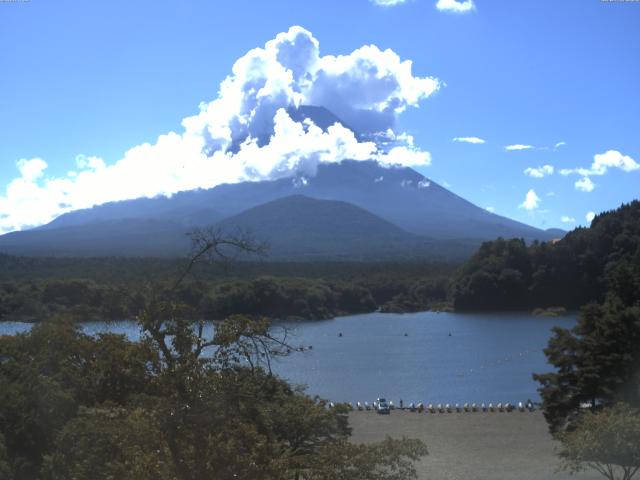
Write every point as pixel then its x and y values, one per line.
pixel 487 357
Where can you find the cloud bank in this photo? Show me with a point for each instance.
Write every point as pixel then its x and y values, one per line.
pixel 252 131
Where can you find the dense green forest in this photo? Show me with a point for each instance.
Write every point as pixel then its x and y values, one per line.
pixel 32 289
pixel 597 362
pixel 576 270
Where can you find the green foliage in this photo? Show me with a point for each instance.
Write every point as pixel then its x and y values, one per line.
pixel 109 443
pixel 607 441
pixel 580 268
pixel 597 363
pixel 298 291
pixel 82 407
pixel 5 468
pixel 47 374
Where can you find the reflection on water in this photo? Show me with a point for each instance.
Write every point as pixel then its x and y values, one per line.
pixel 429 357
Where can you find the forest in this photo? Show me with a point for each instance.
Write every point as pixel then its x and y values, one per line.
pixel 32 289
pixel 578 269
pixel 501 275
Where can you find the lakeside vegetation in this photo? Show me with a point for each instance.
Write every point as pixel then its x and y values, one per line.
pixel 32 289
pixel 578 269
pixel 502 275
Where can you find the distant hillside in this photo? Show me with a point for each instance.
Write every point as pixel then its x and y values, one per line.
pixel 120 238
pixel 580 268
pixel 296 228
pixel 299 227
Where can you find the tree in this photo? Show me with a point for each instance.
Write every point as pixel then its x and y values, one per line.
pixel 107 443
pixel 187 402
pixel 607 441
pixel 597 363
pixel 5 468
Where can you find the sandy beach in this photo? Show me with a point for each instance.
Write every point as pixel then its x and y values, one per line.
pixel 472 446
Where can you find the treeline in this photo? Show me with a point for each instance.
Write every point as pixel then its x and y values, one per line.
pixel 597 362
pixel 137 270
pixel 578 269
pixel 276 297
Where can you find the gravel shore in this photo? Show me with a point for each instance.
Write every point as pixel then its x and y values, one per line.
pixel 472 446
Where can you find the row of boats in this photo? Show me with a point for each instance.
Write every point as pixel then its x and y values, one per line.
pixel 449 408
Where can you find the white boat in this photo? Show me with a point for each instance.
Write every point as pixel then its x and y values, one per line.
pixel 360 407
pixel 466 407
pixel 474 407
pixel 367 406
pixel 520 406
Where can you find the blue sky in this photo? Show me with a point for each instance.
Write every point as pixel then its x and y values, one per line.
pixel 99 78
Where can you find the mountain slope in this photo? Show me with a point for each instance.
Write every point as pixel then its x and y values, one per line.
pixel 398 194
pixel 294 227
pixel 299 227
pixel 126 238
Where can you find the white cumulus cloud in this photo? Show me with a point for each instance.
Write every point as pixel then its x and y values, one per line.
pixel 602 162
pixel 539 172
pixel 585 184
pixel 567 219
pixel 455 6
pixel 531 201
pixel 518 146
pixel 475 140
pixel 590 216
pixel 252 131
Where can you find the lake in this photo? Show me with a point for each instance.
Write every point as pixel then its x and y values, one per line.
pixel 429 357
